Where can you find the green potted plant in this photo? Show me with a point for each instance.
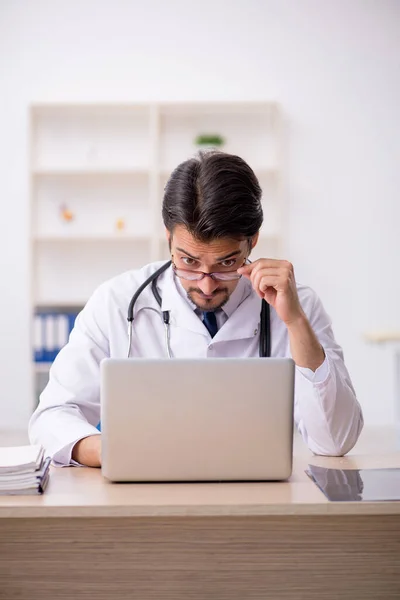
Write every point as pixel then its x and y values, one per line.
pixel 209 140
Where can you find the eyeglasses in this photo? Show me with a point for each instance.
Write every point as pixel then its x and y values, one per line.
pixel 199 275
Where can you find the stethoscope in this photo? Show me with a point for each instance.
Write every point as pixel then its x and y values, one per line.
pixel 265 325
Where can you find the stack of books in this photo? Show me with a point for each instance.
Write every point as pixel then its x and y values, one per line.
pixel 23 470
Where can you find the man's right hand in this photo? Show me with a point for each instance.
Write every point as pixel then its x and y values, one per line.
pixel 88 451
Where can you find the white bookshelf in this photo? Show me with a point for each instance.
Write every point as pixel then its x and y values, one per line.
pixel 106 163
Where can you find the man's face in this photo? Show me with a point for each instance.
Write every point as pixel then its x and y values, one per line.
pixel 209 257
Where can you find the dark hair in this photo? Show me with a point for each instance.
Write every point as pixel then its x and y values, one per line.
pixel 214 195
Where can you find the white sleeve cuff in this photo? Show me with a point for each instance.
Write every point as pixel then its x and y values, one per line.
pixel 318 376
pixel 63 458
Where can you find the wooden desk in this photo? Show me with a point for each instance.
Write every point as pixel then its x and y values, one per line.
pixel 86 538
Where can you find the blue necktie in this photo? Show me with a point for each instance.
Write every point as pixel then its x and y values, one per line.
pixel 210 321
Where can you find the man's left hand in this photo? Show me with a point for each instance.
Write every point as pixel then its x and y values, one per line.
pixel 274 281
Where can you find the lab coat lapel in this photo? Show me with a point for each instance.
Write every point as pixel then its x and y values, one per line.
pixel 243 323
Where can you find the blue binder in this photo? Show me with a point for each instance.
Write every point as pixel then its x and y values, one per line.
pixel 51 331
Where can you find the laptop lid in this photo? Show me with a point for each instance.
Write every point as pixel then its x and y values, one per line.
pixel 224 419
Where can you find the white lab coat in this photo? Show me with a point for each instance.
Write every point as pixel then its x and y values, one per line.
pixel 326 410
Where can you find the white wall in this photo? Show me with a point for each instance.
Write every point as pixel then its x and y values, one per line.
pixel 334 67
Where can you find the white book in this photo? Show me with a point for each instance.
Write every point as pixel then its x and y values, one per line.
pixel 50 342
pixel 37 489
pixel 38 333
pixel 62 331
pixel 32 483
pixel 20 459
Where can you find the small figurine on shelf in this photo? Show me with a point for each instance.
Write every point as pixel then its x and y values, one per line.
pixel 66 214
pixel 120 224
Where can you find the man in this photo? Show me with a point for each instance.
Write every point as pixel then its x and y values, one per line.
pixel 212 214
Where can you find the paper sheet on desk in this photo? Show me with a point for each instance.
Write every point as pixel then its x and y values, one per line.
pixel 362 485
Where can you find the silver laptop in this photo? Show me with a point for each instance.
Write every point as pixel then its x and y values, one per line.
pixel 197 419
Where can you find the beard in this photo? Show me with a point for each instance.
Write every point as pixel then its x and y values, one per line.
pixel 209 303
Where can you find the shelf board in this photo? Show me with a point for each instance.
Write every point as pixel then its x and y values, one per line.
pixel 139 172
pixel 164 172
pixel 60 306
pixel 42 367
pixel 165 108
pixel 266 171
pixel 260 172
pixel 269 235
pixel 217 108
pixel 263 236
pixel 89 108
pixel 92 238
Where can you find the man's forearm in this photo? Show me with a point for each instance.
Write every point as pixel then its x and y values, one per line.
pixel 304 345
pixel 88 451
